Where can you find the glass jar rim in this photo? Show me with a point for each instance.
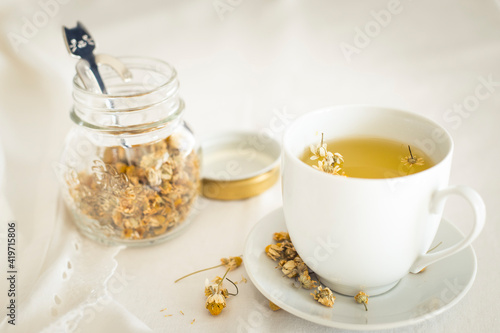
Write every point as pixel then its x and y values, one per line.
pixel 148 100
pixel 81 89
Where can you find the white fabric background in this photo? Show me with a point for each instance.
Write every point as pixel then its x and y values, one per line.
pixel 263 58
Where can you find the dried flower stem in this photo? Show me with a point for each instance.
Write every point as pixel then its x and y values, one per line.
pixel 201 270
pixel 411 160
pixel 227 271
pixel 231 263
pixel 362 298
pixel 234 284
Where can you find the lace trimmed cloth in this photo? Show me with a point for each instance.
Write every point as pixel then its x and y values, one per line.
pixel 74 292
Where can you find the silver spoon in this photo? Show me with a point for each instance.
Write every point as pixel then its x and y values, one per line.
pixel 80 44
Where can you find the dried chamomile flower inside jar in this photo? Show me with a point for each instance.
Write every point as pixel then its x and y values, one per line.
pixel 130 170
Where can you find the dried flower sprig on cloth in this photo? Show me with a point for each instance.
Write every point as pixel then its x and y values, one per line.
pixel 217 294
pixel 327 161
pixel 230 263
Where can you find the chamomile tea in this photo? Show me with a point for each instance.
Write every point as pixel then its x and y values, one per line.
pixel 367 157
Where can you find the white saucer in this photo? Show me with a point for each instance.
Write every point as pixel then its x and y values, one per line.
pixel 416 298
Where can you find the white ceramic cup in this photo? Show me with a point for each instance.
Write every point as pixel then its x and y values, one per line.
pixel 366 234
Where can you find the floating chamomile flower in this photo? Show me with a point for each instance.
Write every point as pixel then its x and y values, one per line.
pixel 411 160
pixel 327 161
pixel 319 151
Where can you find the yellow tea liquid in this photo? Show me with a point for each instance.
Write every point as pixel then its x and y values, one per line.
pixel 374 157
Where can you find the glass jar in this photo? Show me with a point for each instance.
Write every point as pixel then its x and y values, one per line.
pixel 130 167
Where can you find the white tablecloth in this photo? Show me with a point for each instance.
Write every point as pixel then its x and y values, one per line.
pixel 240 64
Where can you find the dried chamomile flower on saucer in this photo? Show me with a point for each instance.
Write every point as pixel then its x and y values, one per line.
pixel 273 251
pixel 305 280
pixel 280 236
pixel 273 306
pixel 290 263
pixel 362 298
pixel 324 296
pixel 289 268
pixel 292 266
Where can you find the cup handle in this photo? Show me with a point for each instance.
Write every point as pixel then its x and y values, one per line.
pixel 437 204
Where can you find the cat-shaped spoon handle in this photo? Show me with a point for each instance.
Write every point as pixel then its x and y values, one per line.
pixel 80 44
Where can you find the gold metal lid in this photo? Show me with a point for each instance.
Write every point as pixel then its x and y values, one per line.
pixel 239 165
